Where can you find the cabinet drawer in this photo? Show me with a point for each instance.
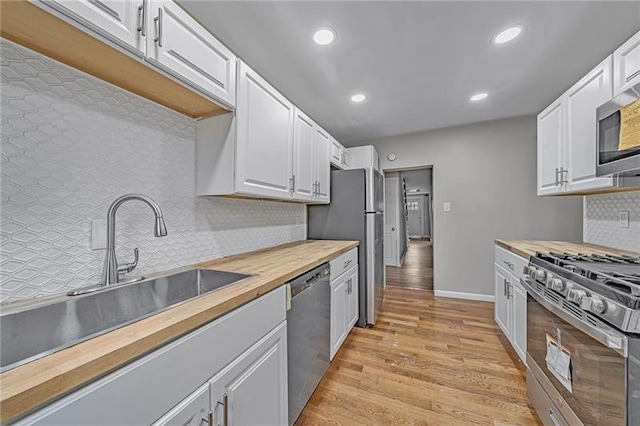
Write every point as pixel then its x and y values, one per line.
pixel 510 262
pixel 343 263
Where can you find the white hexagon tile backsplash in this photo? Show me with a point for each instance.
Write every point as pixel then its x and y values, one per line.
pixel 602 220
pixel 70 145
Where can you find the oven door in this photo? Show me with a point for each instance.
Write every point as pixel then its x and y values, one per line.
pixel 594 390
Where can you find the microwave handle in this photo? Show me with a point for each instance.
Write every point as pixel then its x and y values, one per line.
pixel 615 341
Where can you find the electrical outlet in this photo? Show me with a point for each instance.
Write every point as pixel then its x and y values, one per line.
pixel 98 234
pixel 624 219
pixel 447 207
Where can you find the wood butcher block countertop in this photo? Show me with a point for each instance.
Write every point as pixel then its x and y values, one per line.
pixel 39 382
pixel 528 248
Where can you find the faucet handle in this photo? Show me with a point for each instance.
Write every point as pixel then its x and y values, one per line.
pixel 130 266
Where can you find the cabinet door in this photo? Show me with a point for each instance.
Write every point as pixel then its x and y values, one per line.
pixel 322 165
pixel 352 299
pixel 626 65
pixel 336 153
pixel 264 140
pixel 183 48
pixel 550 140
pixel 338 313
pixel 502 301
pixel 581 102
pixel 117 21
pixel 519 319
pixel 193 411
pixel 346 159
pixel 304 180
pixel 252 390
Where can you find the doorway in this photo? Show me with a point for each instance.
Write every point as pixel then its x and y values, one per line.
pixel 409 227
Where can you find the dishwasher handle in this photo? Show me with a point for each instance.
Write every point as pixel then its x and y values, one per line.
pixel 299 287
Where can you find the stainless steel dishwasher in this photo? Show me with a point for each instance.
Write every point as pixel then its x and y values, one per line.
pixel 308 336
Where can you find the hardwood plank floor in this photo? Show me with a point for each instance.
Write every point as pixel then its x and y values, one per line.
pixel 428 361
pixel 417 270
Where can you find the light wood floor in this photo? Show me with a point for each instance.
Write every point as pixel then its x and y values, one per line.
pixel 428 361
pixel 417 270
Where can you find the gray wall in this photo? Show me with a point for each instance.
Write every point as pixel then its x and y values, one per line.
pixel 487 171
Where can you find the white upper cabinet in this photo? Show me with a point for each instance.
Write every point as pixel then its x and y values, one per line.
pixel 322 165
pixel 550 129
pixel 340 156
pixel 362 157
pixel 626 65
pixel 581 102
pixel 119 21
pixel 304 176
pixel 185 49
pixel 567 136
pixel 264 139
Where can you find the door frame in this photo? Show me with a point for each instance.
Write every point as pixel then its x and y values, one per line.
pixel 432 212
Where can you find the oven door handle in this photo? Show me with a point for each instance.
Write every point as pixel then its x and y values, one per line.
pixel 617 342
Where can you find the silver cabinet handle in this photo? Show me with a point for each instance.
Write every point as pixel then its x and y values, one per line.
pixel 292 182
pixel 504 288
pixel 158 19
pixel 142 13
pixel 564 175
pixel 209 419
pixel 347 262
pixel 225 410
pixel 509 264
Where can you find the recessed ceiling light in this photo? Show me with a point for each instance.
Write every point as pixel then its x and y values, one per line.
pixel 324 35
pixel 359 97
pixel 507 35
pixel 479 96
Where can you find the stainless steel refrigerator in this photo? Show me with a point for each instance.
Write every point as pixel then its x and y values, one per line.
pixel 356 212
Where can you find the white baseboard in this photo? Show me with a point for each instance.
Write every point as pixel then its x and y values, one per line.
pixel 468 296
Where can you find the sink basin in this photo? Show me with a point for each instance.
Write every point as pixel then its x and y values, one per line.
pixel 32 332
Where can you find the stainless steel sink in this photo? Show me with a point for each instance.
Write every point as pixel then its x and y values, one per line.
pixel 29 333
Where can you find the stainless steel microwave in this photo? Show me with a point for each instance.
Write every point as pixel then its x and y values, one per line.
pixel 611 157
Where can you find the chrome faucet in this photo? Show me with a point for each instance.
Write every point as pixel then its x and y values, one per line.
pixel 111 271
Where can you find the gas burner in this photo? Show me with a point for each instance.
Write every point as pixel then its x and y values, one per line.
pixel 618 273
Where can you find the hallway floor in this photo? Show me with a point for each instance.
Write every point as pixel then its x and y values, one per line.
pixel 417 270
pixel 428 361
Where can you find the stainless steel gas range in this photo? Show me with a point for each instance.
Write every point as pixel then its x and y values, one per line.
pixel 583 339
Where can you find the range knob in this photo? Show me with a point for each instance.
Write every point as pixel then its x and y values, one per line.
pixel 530 270
pixel 576 295
pixel 556 284
pixel 593 304
pixel 541 275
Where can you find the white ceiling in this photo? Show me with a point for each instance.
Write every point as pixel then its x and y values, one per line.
pixel 418 62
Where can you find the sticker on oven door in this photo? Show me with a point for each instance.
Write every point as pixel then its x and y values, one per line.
pixel 559 362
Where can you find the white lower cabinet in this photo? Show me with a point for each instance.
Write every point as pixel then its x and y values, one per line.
pixel 252 390
pixel 344 298
pixel 242 354
pixel 503 305
pixel 511 300
pixel 193 411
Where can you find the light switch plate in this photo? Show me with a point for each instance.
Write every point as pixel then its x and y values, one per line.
pixel 624 219
pixel 447 207
pixel 98 234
